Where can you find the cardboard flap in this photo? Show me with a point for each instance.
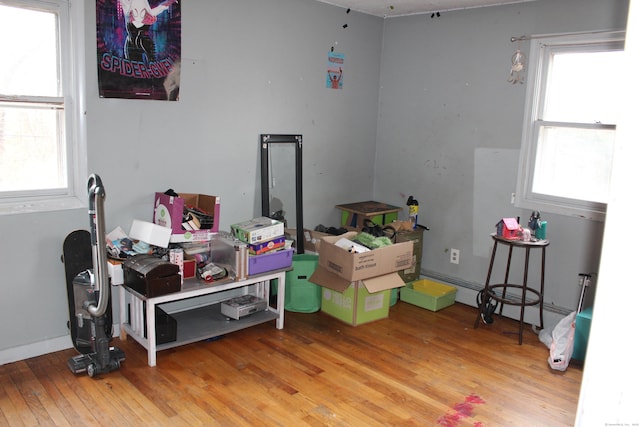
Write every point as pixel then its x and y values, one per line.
pixel 382 283
pixel 359 266
pixel 329 280
pixel 333 239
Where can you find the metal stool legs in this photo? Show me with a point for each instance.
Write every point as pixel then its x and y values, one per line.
pixel 490 290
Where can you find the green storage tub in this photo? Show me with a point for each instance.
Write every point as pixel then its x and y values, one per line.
pixel 393 297
pixel 432 295
pixel 302 296
pixel 581 335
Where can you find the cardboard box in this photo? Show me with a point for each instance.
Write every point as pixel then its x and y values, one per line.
pixel 358 266
pixel 311 238
pixel 256 230
pixel 168 212
pixel 268 246
pixel 416 237
pixel 356 302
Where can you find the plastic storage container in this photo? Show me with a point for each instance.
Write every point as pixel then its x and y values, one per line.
pixel 300 295
pixel 581 337
pixel 428 294
pixel 393 297
pixel 257 264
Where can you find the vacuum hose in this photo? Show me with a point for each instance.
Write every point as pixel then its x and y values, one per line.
pixel 98 245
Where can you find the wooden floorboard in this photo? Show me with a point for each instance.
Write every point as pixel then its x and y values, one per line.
pixel 416 368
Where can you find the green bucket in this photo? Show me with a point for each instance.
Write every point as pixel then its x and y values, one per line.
pixel 300 295
pixel 393 299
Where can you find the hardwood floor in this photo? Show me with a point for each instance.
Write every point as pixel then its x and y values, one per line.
pixel 416 368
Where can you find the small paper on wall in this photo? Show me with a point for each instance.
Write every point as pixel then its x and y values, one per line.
pixel 335 70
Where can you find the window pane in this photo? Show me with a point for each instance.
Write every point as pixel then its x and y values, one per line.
pixel 31 157
pixel 29 52
pixel 583 87
pixel 574 163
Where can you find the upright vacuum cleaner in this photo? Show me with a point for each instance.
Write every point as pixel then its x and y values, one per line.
pixel 88 291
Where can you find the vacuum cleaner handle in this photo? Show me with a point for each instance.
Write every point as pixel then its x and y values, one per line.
pixel 98 245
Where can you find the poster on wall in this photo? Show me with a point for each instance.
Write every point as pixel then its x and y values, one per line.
pixel 139 48
pixel 334 70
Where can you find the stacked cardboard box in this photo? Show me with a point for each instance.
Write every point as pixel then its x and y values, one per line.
pixel 266 241
pixel 416 237
pixel 311 238
pixel 356 286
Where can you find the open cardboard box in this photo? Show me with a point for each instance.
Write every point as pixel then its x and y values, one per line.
pixel 356 286
pixel 311 238
pixel 168 211
pixel 356 302
pixel 364 265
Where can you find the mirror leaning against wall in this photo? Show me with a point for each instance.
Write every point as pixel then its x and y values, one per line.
pixel 281 181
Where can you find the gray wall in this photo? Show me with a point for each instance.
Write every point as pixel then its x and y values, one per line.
pixel 449 133
pixel 249 67
pixel 446 117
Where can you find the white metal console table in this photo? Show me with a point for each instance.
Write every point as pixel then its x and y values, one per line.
pixel 201 322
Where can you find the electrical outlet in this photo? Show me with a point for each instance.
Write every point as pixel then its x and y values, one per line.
pixel 455 256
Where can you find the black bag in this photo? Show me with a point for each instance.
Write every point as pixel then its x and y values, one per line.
pixel 489 307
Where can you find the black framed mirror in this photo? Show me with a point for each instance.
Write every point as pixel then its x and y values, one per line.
pixel 281 181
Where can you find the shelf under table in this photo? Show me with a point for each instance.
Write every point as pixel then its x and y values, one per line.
pixel 207 322
pixel 138 320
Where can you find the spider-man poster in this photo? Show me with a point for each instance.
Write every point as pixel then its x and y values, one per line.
pixel 139 48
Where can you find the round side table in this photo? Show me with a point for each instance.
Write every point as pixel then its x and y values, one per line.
pixel 498 291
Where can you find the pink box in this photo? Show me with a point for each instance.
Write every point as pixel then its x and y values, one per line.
pixel 168 210
pixel 274 261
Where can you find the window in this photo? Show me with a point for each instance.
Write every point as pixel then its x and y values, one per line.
pixel 42 146
pixel 570 123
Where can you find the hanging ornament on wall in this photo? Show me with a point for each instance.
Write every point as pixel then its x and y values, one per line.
pixel 518 60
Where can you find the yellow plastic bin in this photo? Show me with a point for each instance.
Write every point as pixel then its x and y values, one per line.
pixel 428 294
pixel 302 296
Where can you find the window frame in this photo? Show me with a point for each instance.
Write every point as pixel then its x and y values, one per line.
pixel 72 75
pixel 542 47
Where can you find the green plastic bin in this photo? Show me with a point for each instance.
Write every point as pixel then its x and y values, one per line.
pixel 302 296
pixel 581 335
pixel 393 298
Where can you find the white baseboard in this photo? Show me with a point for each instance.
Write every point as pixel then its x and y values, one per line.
pixel 464 296
pixel 28 351
pixel 52 345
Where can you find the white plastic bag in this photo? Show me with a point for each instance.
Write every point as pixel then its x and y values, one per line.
pixel 561 346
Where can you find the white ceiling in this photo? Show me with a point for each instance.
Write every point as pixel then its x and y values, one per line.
pixel 389 8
